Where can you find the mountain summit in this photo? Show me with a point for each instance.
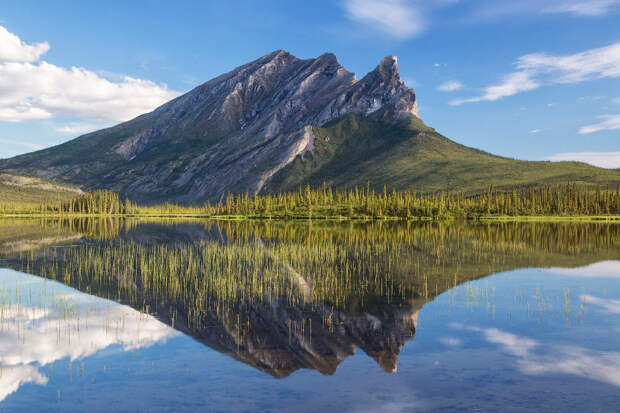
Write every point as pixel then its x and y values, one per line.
pixel 231 133
pixel 276 123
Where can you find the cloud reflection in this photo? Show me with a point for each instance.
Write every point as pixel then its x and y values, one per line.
pixel 603 269
pixel 51 322
pixel 536 358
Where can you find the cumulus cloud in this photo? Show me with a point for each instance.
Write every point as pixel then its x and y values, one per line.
pixel 610 160
pixel 34 89
pixel 397 18
pixel 541 69
pixel 450 86
pixel 12 49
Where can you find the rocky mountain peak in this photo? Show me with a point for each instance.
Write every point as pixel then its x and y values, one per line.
pixel 388 68
pixel 242 127
pixel 381 90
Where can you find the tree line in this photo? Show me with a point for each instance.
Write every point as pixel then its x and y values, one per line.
pixel 326 201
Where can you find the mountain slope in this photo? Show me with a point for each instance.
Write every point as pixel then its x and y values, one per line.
pixel 264 125
pixel 20 190
pixel 408 154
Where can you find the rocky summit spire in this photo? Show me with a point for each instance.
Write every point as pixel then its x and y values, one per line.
pixel 388 69
pixel 386 86
pixel 380 90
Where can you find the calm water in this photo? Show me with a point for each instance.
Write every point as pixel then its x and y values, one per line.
pixel 187 316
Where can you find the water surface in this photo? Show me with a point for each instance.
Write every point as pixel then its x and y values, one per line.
pixel 272 316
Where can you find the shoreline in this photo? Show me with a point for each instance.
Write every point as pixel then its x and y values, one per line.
pixel 483 218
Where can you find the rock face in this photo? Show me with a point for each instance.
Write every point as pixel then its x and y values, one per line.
pixel 232 133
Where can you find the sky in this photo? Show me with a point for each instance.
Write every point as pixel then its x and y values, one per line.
pixel 527 79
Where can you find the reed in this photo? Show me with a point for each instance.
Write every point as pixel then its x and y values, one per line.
pixel 350 267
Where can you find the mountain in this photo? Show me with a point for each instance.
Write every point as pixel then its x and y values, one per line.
pixel 21 190
pixel 279 122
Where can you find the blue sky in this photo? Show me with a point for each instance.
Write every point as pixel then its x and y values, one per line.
pixel 525 79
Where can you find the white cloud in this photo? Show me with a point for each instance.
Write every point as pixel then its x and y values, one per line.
pixel 609 160
pixel 79 128
pixel 450 86
pixel 451 341
pixel 397 18
pixel 21 111
pixel 512 84
pixel 609 122
pixel 12 49
pixel 33 89
pixel 589 8
pixel 407 18
pixel 493 10
pixel 590 64
pixel 617 100
pixel 540 69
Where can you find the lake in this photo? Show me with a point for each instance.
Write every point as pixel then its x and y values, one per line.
pixel 165 315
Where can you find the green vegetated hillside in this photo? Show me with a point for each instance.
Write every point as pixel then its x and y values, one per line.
pixel 24 190
pixel 410 155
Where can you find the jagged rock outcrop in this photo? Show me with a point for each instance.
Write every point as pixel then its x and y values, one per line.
pixel 232 133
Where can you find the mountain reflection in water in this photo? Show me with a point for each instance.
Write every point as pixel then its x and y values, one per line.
pixel 277 296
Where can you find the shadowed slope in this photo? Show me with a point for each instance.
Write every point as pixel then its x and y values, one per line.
pixel 408 154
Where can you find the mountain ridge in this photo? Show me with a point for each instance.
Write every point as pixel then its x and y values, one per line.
pixel 257 126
